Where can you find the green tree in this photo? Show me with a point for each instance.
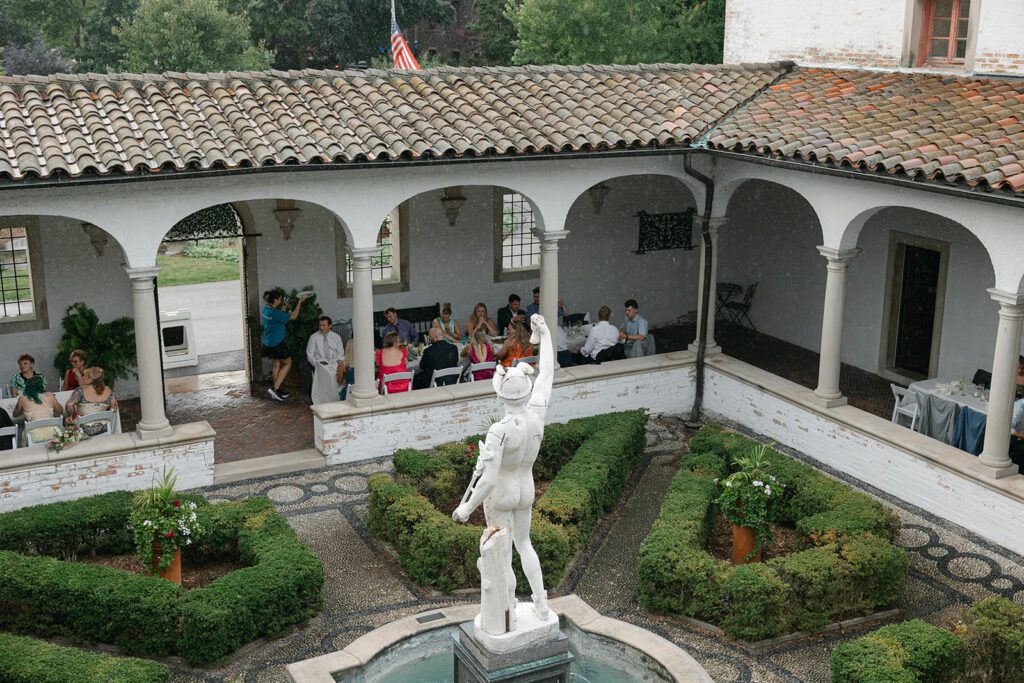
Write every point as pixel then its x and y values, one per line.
pixel 617 31
pixel 81 29
pixel 495 30
pixel 282 27
pixel 189 35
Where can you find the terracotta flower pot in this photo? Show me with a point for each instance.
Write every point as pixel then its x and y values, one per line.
pixel 173 571
pixel 743 545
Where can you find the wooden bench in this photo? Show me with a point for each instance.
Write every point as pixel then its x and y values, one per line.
pixel 421 317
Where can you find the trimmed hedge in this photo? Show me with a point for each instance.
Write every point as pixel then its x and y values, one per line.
pixel 44 596
pixel 592 457
pixel 911 652
pixel 847 565
pixel 26 660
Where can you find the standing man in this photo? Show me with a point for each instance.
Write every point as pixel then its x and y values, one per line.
pixel 509 313
pixel 405 330
pixel 326 354
pixel 633 331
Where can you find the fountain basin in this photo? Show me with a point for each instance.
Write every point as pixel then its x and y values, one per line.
pixel 421 646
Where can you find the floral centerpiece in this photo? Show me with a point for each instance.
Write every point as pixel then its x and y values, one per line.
pixel 162 523
pixel 68 436
pixel 744 502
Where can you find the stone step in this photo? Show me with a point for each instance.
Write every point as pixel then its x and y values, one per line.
pixel 282 463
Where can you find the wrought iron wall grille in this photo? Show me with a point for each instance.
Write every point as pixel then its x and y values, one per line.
pixel 665 231
pixel 216 222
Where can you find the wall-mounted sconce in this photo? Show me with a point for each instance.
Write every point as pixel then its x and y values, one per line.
pixel 597 194
pixel 286 215
pixel 452 200
pixel 97 237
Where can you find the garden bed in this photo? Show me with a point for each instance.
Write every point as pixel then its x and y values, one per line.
pixel 586 461
pixel 193 575
pixel 46 592
pixel 844 565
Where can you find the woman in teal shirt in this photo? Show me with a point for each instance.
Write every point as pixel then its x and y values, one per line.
pixel 275 319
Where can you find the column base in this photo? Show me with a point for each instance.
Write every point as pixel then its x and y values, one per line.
pixel 711 349
pixel 999 471
pixel 828 400
pixel 367 400
pixel 149 432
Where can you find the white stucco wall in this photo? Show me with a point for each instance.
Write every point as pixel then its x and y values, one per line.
pixel 455 263
pixel 844 33
pixel 1000 41
pixel 73 272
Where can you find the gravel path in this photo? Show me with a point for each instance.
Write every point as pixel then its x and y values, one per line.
pixel 364 587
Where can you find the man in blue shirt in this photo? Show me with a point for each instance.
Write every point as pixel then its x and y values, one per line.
pixel 534 308
pixel 405 330
pixel 633 330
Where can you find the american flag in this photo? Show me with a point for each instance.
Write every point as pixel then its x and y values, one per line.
pixel 399 48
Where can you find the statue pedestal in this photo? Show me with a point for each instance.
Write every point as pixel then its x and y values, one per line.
pixel 544 660
pixel 529 630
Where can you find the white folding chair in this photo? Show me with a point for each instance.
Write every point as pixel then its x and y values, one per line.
pixel 5 391
pixel 477 367
pixel 906 406
pixel 9 433
pixel 394 376
pixel 107 415
pixel 455 372
pixel 45 422
pixel 532 360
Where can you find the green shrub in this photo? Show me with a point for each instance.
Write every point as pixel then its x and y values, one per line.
pixel 211 251
pixel 878 573
pixel 855 515
pixel 25 660
pixel 913 651
pixel 64 529
pixel 676 577
pixel 755 602
pixel 993 632
pixel 819 582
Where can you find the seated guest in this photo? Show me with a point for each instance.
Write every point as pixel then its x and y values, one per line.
pixel 441 354
pixel 94 396
pixel 448 325
pixel 517 345
pixel 390 359
pixel 73 378
pixel 479 320
pixel 562 349
pixel 603 341
pixel 35 403
pixel 479 350
pixel 509 313
pixel 26 371
pixel 563 310
pixel 325 353
pixel 1017 421
pixel 405 330
pixel 633 331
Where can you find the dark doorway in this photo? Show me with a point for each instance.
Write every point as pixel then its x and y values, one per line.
pixel 917 300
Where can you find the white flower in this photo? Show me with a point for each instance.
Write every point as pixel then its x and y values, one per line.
pixel 729 484
pixel 146 522
pixel 192 506
pixel 767 490
pixel 758 483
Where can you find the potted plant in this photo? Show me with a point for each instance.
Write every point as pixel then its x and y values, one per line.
pixel 298 331
pixel 162 523
pixel 109 345
pixel 744 502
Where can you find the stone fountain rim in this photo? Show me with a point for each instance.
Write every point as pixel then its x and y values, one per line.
pixel 360 652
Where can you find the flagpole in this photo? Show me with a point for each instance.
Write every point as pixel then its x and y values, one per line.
pixel 393 19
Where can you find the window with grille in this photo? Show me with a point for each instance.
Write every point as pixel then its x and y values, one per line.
pixel 945 29
pixel 387 266
pixel 16 298
pixel 520 248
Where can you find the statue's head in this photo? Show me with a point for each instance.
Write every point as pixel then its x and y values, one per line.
pixel 513 385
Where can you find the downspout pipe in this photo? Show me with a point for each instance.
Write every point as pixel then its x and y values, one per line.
pixel 705 301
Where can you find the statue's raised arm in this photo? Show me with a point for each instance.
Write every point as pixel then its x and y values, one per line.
pixel 541 335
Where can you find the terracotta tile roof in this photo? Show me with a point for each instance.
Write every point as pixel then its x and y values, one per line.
pixel 941 128
pixel 95 124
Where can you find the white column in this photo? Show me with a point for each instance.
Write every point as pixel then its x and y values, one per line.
pixel 154 423
pixel 828 393
pixel 365 389
pixel 712 346
pixel 549 275
pixel 996 453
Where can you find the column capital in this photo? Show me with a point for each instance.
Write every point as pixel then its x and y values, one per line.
pixel 552 236
pixel 834 255
pixel 364 252
pixel 1006 299
pixel 145 273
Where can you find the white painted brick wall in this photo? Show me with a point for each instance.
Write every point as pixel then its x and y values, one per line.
pixel 380 433
pixel 1000 43
pixel 48 483
pixel 938 490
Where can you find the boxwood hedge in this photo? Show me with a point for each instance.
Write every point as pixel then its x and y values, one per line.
pixel 590 460
pixel 846 564
pixel 26 660
pixel 911 652
pixel 44 596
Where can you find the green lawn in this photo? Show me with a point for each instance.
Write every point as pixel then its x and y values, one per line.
pixel 179 270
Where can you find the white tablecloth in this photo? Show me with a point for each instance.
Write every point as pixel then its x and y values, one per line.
pixel 963 398
pixel 62 397
pixel 325 383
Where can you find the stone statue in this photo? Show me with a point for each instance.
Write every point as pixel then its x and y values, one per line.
pixel 503 482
